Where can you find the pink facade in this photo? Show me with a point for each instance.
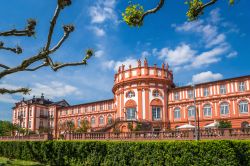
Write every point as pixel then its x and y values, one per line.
pixel 146 94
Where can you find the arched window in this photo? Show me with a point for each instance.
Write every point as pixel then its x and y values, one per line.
pixel 207 111
pixel 191 111
pixel 110 119
pixel 156 112
pixel 156 93
pixel 130 94
pixel 177 113
pixel 245 124
pixel 224 108
pixel 101 120
pixel 243 107
pixel 86 120
pixel 93 121
pixel 131 113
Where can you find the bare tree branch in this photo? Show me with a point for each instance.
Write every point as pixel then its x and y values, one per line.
pixel 23 65
pixel 44 54
pixel 154 10
pixel 28 31
pixel 56 66
pixel 38 67
pixel 52 25
pixel 200 9
pixel 67 30
pixel 21 90
pixel 209 4
pixel 4 66
pixel 17 50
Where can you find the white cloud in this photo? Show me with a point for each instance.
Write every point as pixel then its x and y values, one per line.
pixel 98 31
pixel 116 64
pixel 216 41
pixel 208 57
pixel 182 54
pixel 99 53
pixel 207 29
pixel 215 16
pixel 145 54
pixel 108 64
pixel 206 77
pixel 184 57
pixel 232 54
pixel 7 99
pixel 103 10
pixel 54 89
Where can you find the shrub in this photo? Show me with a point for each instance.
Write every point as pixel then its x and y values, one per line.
pixel 114 153
pixel 224 124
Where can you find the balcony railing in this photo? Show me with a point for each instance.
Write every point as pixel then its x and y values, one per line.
pixel 236 133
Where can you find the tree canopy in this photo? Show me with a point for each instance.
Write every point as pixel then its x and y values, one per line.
pixel 134 14
pixel 44 55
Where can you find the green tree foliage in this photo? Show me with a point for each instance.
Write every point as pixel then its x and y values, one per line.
pixel 7 128
pixel 135 13
pixel 84 126
pixel 224 124
pixel 113 153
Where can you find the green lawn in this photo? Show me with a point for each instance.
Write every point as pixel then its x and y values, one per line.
pixel 7 162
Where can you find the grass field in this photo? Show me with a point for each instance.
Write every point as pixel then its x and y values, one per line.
pixel 8 162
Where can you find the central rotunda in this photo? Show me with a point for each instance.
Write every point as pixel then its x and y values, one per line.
pixel 141 93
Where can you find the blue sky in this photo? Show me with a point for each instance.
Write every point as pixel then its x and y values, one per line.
pixel 214 47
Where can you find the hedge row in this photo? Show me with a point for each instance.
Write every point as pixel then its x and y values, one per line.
pixel 177 153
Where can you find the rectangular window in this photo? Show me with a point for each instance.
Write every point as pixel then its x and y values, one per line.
pixel 190 94
pixel 224 109
pixel 207 111
pixel 191 112
pixel 222 89
pixel 109 106
pixel 30 112
pixel 101 107
pixel 177 113
pixel 176 96
pixel 41 123
pixel 241 86
pixel 156 112
pixel 205 92
pixel 243 107
pixel 41 112
pixel 29 124
pixel 93 108
pixel 131 113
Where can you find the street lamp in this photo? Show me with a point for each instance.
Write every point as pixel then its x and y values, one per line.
pixel 197 130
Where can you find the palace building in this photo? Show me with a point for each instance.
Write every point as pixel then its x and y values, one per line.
pixel 147 95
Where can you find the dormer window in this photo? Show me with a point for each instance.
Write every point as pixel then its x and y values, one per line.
pixel 130 94
pixel 190 94
pixel 176 96
pixel 241 86
pixel 222 89
pixel 205 92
